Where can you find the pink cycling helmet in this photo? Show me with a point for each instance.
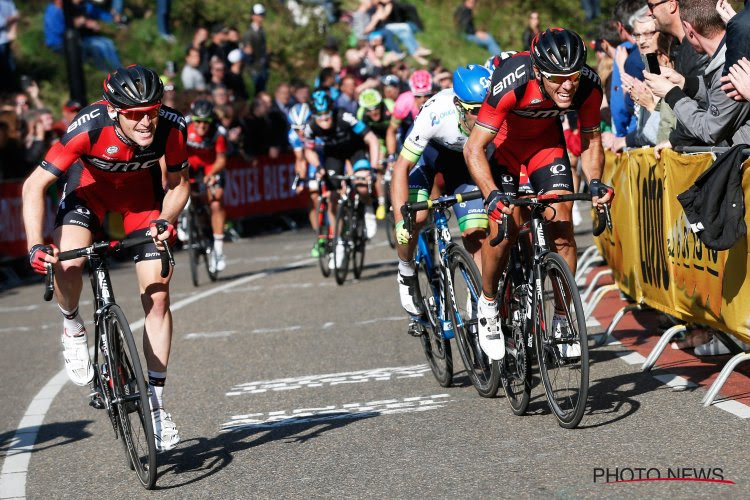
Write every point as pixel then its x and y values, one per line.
pixel 420 83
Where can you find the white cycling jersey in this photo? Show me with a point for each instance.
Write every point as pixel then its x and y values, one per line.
pixel 436 122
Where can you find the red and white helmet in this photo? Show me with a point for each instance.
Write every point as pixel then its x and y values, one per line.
pixel 420 83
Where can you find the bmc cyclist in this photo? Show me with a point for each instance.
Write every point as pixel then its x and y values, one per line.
pixel 528 93
pixel 407 107
pixel 207 148
pixel 114 156
pixel 435 144
pixel 376 112
pixel 345 139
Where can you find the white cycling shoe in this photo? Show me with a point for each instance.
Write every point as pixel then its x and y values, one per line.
pixel 491 338
pixel 220 262
pixel 77 361
pixel 339 254
pixel 371 224
pixel 407 291
pixel 166 436
pixel 561 329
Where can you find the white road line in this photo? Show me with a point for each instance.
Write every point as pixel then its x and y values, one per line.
pixel 18 308
pixel 16 463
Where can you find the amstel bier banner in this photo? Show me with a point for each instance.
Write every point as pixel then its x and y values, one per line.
pixel 655 257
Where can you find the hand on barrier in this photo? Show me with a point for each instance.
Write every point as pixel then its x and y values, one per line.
pixel 40 255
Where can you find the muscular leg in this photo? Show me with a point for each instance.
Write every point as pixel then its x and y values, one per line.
pixel 157 338
pixel 561 232
pixel 68 282
pixel 218 213
pixel 312 212
pixel 473 239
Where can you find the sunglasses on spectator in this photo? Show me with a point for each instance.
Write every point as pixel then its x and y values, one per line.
pixel 652 6
pixel 137 114
pixel 472 109
pixel 646 34
pixel 560 79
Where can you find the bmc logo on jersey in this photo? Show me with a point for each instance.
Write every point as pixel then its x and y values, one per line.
pixel 172 116
pixel 508 80
pixel 122 166
pixel 591 75
pixel 83 119
pixel 542 113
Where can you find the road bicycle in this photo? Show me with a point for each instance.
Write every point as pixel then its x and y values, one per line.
pixel 390 220
pixel 118 385
pixel 536 285
pixel 199 232
pixel 449 287
pixel 350 235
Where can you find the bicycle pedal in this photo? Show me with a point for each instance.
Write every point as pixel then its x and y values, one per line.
pixel 96 401
pixel 415 329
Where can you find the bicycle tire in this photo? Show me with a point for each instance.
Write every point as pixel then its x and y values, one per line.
pixel 436 348
pixel 515 373
pixel 359 241
pixel 467 288
pixel 128 381
pixel 323 231
pixel 558 284
pixel 193 247
pixel 343 237
pixel 207 243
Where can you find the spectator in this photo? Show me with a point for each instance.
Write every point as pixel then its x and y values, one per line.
pixel 230 123
pixel 329 55
pixel 220 95
pixel 361 19
pixel 8 26
pixel 258 131
pixel 738 86
pixel 592 9
pixel 738 32
pixel 163 10
pixel 231 40
pixel 621 105
pixel 191 76
pixel 687 61
pixel 391 87
pixel 708 115
pixel 464 18
pixel 402 71
pixel 443 78
pixel 394 21
pixel 532 30
pixel 282 98
pixel 300 92
pixel 12 165
pixel 348 99
pixel 39 136
pixel 218 71
pixel 216 49
pixel 200 37
pixel 69 111
pixel 233 78
pixel 256 49
pixel 327 81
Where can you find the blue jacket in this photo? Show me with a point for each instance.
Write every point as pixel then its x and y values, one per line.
pixel 624 120
pixel 54 27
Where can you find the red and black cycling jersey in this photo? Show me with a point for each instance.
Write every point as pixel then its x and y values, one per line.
pixel 516 106
pixel 105 154
pixel 202 150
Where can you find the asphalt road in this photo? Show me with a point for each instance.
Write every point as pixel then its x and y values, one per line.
pixel 285 385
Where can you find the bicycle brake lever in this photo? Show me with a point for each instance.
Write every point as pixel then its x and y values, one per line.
pixel 502 229
pixel 49 282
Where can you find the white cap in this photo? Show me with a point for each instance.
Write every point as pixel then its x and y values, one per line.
pixel 235 56
pixel 259 10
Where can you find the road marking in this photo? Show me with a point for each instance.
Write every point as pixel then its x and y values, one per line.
pixel 279 286
pixel 9 309
pixel 331 379
pixel 210 335
pixel 378 320
pixel 349 411
pixel 15 329
pixel 16 462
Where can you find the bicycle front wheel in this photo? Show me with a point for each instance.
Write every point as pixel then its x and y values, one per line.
pixel 343 247
pixel 323 234
pixel 562 346
pixel 207 245
pixel 130 397
pixel 436 348
pixel 358 243
pixel 467 287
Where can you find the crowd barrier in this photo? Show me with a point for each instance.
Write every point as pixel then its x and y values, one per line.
pixel 261 187
pixel 657 260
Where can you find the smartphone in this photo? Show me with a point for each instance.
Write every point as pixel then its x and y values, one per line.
pixel 25 82
pixel 653 63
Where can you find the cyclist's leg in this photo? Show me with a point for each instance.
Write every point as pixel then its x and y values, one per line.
pixel 379 184
pixel 421 180
pixel 312 186
pixel 218 219
pixel 334 166
pixel 362 170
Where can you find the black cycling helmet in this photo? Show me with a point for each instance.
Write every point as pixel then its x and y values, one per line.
pixel 559 51
pixel 133 87
pixel 202 110
pixel 321 102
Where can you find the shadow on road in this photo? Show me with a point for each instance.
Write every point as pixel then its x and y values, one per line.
pixel 66 432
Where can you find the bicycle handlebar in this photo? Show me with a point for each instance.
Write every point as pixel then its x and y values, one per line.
pixel 407 209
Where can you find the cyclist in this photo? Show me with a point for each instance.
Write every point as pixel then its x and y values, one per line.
pixel 407 106
pixel 435 144
pixel 375 112
pixel 114 156
pixel 344 139
pixel 297 117
pixel 207 148
pixel 521 115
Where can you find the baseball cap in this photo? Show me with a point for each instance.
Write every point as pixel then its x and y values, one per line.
pixel 72 106
pixel 234 56
pixel 391 80
pixel 259 10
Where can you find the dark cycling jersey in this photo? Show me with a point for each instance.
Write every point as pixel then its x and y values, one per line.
pixel 379 127
pixel 106 172
pixel 342 140
pixel 202 150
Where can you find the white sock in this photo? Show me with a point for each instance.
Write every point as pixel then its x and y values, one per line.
pixel 219 244
pixel 484 301
pixel 381 200
pixel 72 322
pixel 156 386
pixel 406 268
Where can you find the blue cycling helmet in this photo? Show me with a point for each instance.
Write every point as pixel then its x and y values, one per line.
pixel 470 83
pixel 321 102
pixel 298 115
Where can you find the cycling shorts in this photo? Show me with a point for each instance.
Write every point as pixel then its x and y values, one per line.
pixel 138 202
pixel 451 164
pixel 336 166
pixel 545 160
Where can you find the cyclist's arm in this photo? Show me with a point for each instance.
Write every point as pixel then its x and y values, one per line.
pixel 400 184
pixel 34 189
pixel 374 145
pixel 592 151
pixel 475 155
pixel 219 164
pixel 390 137
pixel 300 165
pixel 176 196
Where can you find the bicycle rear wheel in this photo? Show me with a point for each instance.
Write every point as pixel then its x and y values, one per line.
pixel 565 376
pixel 194 246
pixel 323 234
pixel 131 397
pixel 436 348
pixel 343 238
pixel 467 287
pixel 358 244
pixel 207 243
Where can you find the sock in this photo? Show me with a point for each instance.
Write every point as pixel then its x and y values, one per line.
pixel 489 301
pixel 219 244
pixel 406 268
pixel 72 322
pixel 156 386
pixel 381 200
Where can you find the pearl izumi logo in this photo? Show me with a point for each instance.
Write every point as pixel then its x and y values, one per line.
pixel 612 475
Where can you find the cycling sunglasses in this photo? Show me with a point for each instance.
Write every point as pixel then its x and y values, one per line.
pixel 560 79
pixel 472 109
pixel 323 116
pixel 137 114
pixel 198 119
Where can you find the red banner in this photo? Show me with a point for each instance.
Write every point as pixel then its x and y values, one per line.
pixel 261 188
pixel 12 232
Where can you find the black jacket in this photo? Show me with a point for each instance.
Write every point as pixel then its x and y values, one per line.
pixel 715 204
pixel 738 38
